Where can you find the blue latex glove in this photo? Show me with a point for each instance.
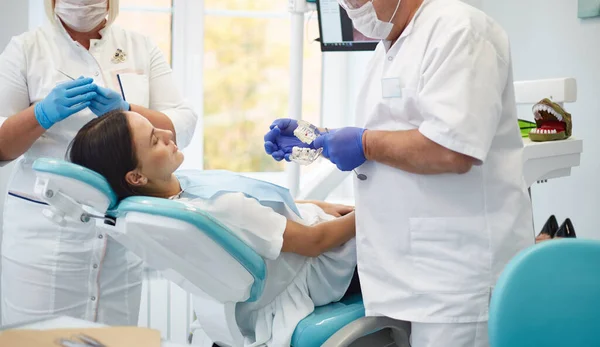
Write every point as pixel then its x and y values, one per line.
pixel 344 147
pixel 108 100
pixel 280 140
pixel 64 100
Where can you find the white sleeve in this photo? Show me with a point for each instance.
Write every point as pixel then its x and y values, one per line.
pixel 461 98
pixel 165 98
pixel 258 226
pixel 14 95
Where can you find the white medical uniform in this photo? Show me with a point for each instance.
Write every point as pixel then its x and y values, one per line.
pixel 431 247
pixel 295 284
pixel 78 272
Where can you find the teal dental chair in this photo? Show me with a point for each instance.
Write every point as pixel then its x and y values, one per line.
pixel 154 228
pixel 549 296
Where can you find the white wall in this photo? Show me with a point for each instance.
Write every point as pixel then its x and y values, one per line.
pixel 14 19
pixel 548 40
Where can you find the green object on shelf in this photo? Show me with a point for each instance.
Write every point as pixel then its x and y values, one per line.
pixel 526 127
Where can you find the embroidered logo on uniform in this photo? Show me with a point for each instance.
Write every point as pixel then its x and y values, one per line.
pixel 119 56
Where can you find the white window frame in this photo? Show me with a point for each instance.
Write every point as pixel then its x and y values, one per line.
pixel 188 62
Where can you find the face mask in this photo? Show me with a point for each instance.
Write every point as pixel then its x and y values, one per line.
pixel 365 20
pixel 81 15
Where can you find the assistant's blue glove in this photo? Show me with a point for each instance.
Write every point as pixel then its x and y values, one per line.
pixel 108 100
pixel 343 147
pixel 64 100
pixel 280 140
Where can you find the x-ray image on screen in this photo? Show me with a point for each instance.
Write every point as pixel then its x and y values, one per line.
pixel 337 31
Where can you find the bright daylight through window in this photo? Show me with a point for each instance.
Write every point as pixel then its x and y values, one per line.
pixel 246 73
pixel 246 80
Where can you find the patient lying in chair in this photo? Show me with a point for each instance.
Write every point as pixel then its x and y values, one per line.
pixel 308 247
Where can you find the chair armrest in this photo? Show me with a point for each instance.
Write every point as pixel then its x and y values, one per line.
pixel 366 326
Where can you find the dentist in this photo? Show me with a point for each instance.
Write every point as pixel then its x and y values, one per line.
pixel 71 270
pixel 444 206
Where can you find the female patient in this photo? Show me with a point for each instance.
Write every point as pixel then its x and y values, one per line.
pixel 310 257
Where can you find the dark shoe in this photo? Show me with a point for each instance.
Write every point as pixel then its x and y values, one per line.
pixel 566 230
pixel 550 228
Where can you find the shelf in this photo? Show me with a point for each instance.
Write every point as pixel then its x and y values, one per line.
pixel 552 159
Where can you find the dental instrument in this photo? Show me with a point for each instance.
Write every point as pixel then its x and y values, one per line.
pixel 65 74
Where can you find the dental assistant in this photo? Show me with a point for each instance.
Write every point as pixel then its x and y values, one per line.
pixel 444 206
pixel 71 270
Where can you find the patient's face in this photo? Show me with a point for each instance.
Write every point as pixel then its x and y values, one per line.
pixel 158 156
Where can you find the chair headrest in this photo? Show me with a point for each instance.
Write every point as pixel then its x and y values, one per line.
pixel 77 172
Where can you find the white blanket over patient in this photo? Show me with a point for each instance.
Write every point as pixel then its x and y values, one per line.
pixel 295 284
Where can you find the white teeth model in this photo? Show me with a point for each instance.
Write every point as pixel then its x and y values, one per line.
pixel 543 131
pixel 547 109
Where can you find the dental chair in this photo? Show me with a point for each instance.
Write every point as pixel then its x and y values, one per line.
pixel 548 295
pixel 193 250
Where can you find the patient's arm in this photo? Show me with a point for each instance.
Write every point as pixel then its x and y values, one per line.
pixel 312 241
pixel 335 210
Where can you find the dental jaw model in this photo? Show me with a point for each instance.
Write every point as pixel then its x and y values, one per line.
pixel 553 122
pixel 306 133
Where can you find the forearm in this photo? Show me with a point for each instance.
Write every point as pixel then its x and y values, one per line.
pixel 18 133
pixel 410 151
pixel 336 232
pixel 307 202
pixel 158 119
pixel 312 241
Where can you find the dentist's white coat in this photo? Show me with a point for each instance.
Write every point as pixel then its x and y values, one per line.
pixel 75 271
pixel 430 247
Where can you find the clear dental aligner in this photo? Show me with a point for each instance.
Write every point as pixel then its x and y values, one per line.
pixel 305 156
pixel 306 132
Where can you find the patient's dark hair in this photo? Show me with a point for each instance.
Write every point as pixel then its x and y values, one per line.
pixel 105 145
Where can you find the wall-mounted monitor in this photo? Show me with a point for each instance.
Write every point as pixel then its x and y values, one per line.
pixel 337 32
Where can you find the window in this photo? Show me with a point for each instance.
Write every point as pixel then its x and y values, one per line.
pixel 171 24
pixel 242 79
pixel 246 80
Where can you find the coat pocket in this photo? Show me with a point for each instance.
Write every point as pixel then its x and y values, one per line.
pixel 136 88
pixel 450 255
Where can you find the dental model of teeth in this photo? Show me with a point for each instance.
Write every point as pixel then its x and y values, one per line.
pixel 306 133
pixel 552 122
pixel 305 156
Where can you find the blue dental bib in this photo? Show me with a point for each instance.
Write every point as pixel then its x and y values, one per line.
pixel 207 184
